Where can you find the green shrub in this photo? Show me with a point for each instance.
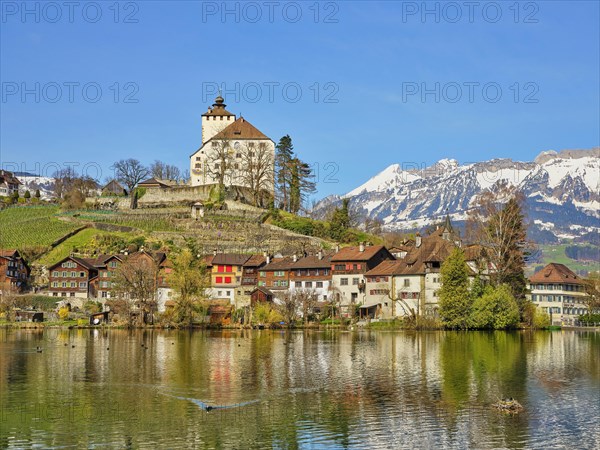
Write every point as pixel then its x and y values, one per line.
pixel 589 318
pixel 497 309
pixel 541 319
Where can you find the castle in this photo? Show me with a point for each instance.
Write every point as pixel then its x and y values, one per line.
pixel 231 149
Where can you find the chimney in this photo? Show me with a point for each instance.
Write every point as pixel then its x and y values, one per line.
pixel 361 247
pixel 215 252
pixel 418 240
pixel 265 254
pixel 320 254
pixel 337 248
pixel 268 259
pixel 295 258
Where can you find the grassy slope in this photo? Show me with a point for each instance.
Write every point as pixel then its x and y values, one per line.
pixel 556 253
pixel 31 226
pixel 79 240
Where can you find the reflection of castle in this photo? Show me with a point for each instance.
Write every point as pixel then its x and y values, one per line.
pixel 244 144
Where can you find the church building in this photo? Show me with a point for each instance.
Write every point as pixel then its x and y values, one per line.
pixel 234 149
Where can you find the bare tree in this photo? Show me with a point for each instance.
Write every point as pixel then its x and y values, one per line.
pixel 220 165
pixel 164 171
pixel 135 283
pixel 497 223
pixel 63 181
pixel 256 170
pixel 288 306
pixel 130 172
pixel 307 299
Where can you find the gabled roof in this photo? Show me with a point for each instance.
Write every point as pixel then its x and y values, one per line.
pixel 161 183
pixel 88 263
pixel 354 253
pixel 8 177
pixel 284 263
pixel 555 273
pixel 388 268
pixel 240 129
pixel 433 248
pixel 255 261
pixel 262 289
pixel 313 262
pixel 230 259
pixel 9 253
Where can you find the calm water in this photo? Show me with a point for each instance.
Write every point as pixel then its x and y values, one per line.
pixel 121 389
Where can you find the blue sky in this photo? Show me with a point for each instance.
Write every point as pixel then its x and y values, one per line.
pixel 358 85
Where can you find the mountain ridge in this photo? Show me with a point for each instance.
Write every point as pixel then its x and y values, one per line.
pixel 562 192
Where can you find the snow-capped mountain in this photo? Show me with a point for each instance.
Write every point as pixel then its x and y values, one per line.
pixel 562 191
pixel 31 182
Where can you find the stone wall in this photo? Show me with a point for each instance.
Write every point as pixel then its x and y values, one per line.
pixel 155 197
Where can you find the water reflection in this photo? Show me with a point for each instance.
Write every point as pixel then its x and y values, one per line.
pixel 325 389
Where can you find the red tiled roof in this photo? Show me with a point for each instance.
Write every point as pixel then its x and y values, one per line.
pixel 313 262
pixel 279 264
pixel 240 129
pixel 255 261
pixel 388 268
pixel 230 259
pixel 354 253
pixel 555 273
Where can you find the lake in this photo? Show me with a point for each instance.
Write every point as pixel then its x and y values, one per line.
pixel 298 389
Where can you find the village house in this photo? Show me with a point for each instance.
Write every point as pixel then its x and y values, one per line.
pixel 115 188
pixel 312 273
pixel 107 266
pixel 73 280
pixel 348 267
pixel 226 275
pixel 220 128
pixel 389 293
pixel 165 296
pixel 275 276
pixel 14 271
pixel 250 270
pixel 9 184
pixel 560 292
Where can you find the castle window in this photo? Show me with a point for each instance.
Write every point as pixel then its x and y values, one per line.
pixel 198 158
pixel 236 145
pixel 198 166
pixel 238 155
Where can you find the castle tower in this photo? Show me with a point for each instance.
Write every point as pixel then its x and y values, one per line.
pixel 216 119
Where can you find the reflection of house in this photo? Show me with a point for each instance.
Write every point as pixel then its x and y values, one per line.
pixel 14 271
pixel 9 184
pixel 560 292
pixel 349 266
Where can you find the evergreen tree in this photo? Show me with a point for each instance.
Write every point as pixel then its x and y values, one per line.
pixel 27 194
pixel 301 184
pixel 283 170
pixel 455 300
pixel 37 193
pixel 477 288
pixel 340 221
